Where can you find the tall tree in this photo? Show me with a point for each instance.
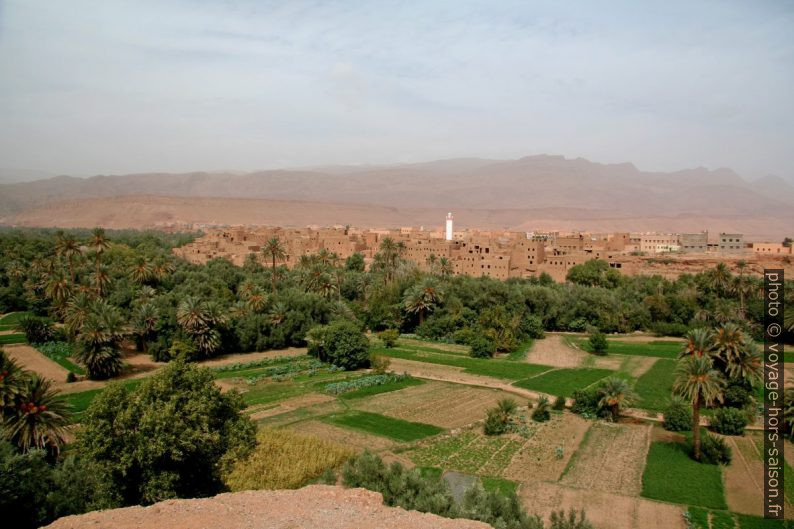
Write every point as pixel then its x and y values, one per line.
pixel 423 298
pixel 615 394
pixel 67 247
pixel 697 381
pixel 40 418
pixel 275 250
pixel 100 243
pixel 699 342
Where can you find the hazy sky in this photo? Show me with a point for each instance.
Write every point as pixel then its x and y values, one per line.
pixel 105 86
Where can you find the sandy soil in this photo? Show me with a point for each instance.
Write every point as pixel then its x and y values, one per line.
pixel 537 459
pixel 308 508
pixel 744 490
pixel 611 459
pixel 356 440
pixel 31 359
pixel 553 351
pixel 288 405
pixel 445 405
pixel 605 510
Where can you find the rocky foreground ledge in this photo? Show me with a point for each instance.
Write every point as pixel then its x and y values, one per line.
pixel 315 506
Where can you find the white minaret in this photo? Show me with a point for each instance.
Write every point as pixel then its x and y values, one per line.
pixel 449 227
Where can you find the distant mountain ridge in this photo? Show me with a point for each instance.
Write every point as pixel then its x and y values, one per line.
pixel 528 183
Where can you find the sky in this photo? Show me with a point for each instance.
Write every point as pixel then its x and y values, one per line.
pixel 108 87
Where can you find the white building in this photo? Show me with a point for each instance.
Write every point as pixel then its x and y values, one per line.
pixel 448 234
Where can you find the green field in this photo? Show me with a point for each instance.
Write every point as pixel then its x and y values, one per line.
pixel 657 348
pixel 8 339
pixel 655 386
pixel 59 353
pixel 468 452
pixel 754 522
pixel 9 321
pixel 490 367
pixel 383 388
pixel 384 426
pixel 80 401
pixel 563 381
pixel 503 486
pixel 671 475
pixel 520 352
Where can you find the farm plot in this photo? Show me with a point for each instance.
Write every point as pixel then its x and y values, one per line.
pixel 655 386
pixel 439 347
pixel 354 439
pixel 469 452
pixel 604 510
pixel 301 401
pixel 563 381
pixel 671 475
pixel 377 424
pixel 33 360
pixel 12 338
pixel 743 477
pixel 544 456
pixel 553 350
pixel 656 348
pixel 8 322
pixel 610 459
pixel 439 403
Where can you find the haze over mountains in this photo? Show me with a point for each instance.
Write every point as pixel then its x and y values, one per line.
pixel 530 192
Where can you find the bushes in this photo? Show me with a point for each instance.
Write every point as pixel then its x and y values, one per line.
pixel 482 347
pixel 559 403
pixel 285 460
pixel 341 343
pixel 389 337
pixel 499 418
pixel 37 330
pixel 729 421
pixel 714 450
pixel 408 489
pixel 661 328
pixel 585 402
pixel 541 412
pixel 678 416
pixel 598 343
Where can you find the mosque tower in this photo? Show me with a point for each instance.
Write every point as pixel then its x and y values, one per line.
pixel 448 234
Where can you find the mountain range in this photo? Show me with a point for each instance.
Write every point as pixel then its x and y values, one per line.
pixel 516 193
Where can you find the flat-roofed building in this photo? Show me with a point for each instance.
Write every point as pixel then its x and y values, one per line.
pixel 694 242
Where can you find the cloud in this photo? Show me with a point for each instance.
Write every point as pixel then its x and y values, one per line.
pixel 89 87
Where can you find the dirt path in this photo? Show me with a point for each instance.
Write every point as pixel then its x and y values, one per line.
pixel 31 359
pixel 605 510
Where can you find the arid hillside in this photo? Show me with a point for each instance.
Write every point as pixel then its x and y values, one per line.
pixel 149 211
pixel 532 192
pixel 308 508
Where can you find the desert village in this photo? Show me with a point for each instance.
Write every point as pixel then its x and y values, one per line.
pixel 498 254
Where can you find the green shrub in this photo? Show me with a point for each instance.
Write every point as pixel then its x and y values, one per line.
pixel 532 326
pixel 559 403
pixel 678 416
pixel 70 377
pixel 714 450
pixel 379 363
pixel 37 330
pixel 559 520
pixel 729 421
pixel 389 337
pixel 663 328
pixel 585 402
pixel 341 343
pixel 482 347
pixel 541 412
pixel 598 343
pixel 497 509
pixel 493 424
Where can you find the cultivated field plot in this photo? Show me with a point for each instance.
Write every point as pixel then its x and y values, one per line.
pixel 656 348
pixel 655 386
pixel 440 403
pixel 33 360
pixel 422 345
pixel 8 322
pixel 12 338
pixel 504 369
pixel 604 510
pixel 610 459
pixel 301 401
pixel 563 381
pixel 377 424
pixel 671 475
pixel 538 459
pixel 469 452
pixel 553 350
pixel 356 440
pixel 744 490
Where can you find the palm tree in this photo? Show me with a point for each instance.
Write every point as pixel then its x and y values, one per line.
pixel 747 365
pixel 615 394
pixel 445 267
pixel 76 311
pixel 58 289
pixel 161 269
pixel 101 279
pixel 144 323
pixel 277 313
pixel 41 417
pixel 274 249
pixel 191 314
pixel 12 379
pixel 100 243
pixel 141 271
pixel 423 298
pixel 697 381
pixel 432 261
pixel 699 342
pixel 98 341
pixel 66 246
pixel 729 342
pixel 198 318
pixel 720 278
pixel 506 409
